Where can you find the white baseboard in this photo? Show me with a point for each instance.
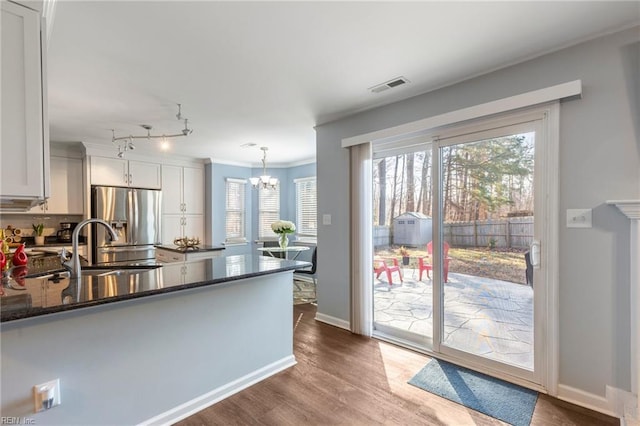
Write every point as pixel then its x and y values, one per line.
pixel 585 399
pixel 336 322
pixel 191 407
pixel 624 404
pixel 301 277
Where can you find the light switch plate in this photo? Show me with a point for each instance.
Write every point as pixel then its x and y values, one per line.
pixel 578 218
pixel 326 219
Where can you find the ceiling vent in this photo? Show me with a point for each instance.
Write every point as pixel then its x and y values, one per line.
pixel 398 81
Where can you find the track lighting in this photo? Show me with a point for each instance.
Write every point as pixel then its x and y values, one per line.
pixel 125 143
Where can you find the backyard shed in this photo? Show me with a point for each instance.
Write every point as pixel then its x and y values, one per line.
pixel 411 229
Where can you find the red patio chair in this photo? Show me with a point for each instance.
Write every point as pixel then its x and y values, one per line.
pixel 381 265
pixel 426 265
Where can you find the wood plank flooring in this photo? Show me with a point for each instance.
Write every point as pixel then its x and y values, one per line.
pixel 345 379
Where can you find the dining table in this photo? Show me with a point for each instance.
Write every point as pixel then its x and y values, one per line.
pixel 290 252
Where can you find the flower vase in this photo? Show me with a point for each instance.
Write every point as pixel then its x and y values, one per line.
pixel 283 240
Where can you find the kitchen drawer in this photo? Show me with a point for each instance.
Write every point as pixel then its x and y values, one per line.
pixel 168 256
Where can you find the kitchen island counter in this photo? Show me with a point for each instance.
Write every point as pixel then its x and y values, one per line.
pixel 55 293
pixel 160 345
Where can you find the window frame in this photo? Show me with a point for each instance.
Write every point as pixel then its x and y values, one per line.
pixel 241 238
pixel 266 233
pixel 304 233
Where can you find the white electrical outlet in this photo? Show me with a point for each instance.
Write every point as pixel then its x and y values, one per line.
pixel 578 218
pixel 46 395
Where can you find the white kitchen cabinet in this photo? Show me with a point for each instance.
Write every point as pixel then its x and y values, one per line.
pixel 182 190
pixel 182 202
pixel 176 273
pixel 24 145
pixel 127 173
pixel 67 194
pixel 178 226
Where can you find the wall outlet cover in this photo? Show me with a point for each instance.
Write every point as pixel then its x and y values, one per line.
pixel 46 395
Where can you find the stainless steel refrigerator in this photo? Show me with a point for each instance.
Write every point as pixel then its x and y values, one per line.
pixel 134 214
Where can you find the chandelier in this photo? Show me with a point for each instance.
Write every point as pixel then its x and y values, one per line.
pixel 125 143
pixel 264 181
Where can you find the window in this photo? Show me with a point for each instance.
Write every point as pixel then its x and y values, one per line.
pixel 235 228
pixel 268 211
pixel 306 207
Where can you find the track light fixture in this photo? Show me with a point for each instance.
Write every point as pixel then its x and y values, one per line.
pixel 264 181
pixel 125 143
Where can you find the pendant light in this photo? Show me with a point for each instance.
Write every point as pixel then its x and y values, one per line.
pixel 264 181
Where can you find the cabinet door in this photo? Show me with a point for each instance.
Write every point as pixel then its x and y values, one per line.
pixel 195 272
pixel 144 175
pixel 194 226
pixel 172 274
pixel 172 190
pixel 171 228
pixel 66 186
pixel 193 196
pixel 22 144
pixel 109 171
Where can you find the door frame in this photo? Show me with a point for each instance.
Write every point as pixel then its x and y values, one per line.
pixel 547 184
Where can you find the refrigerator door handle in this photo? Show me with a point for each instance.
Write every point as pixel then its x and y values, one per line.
pixel 131 209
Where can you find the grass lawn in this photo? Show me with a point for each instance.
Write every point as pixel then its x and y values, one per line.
pixel 498 263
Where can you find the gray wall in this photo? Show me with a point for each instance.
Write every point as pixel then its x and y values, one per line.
pixel 127 362
pixel 599 161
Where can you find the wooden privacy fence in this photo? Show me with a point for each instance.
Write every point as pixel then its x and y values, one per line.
pixel 381 236
pixel 516 232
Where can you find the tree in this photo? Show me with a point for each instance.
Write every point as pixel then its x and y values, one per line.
pixel 411 187
pixel 382 204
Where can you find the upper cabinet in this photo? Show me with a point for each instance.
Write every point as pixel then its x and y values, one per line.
pixel 183 190
pixel 119 172
pixel 24 146
pixel 182 202
pixel 66 188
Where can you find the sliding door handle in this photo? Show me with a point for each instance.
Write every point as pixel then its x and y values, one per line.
pixel 535 254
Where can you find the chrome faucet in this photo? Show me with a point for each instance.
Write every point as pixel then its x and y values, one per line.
pixel 74 263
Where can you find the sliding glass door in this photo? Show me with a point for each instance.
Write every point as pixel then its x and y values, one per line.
pixel 402 204
pixel 459 215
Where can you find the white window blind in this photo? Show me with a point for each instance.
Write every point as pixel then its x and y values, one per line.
pixel 235 220
pixel 306 207
pixel 268 211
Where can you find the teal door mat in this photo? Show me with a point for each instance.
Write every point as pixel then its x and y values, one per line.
pixel 494 397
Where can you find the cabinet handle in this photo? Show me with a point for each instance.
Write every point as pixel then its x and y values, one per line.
pixel 126 179
pixel 130 179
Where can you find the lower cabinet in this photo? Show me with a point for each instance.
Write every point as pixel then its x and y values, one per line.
pixel 181 273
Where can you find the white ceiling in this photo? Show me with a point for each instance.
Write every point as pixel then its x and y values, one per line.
pixel 268 72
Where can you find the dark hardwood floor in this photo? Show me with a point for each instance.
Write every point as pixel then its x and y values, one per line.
pixel 345 379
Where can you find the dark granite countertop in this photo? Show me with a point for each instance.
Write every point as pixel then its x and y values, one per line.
pixel 190 249
pixel 54 293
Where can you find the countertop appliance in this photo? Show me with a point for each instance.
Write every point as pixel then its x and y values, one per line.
pixel 134 214
pixel 65 232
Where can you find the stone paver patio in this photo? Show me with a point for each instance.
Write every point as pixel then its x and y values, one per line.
pixel 483 316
